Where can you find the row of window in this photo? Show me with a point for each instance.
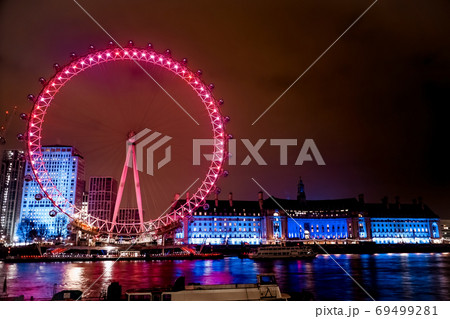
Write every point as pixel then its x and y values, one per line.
pixel 223 236
pixel 400 230
pixel 224 229
pixel 226 214
pixel 225 224
pixel 399 235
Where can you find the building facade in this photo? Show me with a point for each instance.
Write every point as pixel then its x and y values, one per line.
pixel 393 223
pixel 224 222
pixel 275 220
pixel 66 168
pixel 445 229
pixel 128 216
pixel 102 197
pixel 11 185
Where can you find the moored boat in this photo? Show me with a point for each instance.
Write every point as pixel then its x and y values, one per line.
pixel 266 288
pixel 283 252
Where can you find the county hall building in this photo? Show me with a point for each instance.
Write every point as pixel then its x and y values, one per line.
pixel 275 220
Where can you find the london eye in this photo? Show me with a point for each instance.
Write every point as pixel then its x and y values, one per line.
pixel 80 218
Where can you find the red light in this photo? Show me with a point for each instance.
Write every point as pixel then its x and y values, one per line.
pixel 80 64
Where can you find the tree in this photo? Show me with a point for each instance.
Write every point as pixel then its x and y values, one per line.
pixel 60 225
pixel 42 230
pixel 26 230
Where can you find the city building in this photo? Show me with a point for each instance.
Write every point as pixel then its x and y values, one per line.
pixel 393 223
pixel 445 229
pixel 128 216
pixel 11 184
pixel 102 197
pixel 224 222
pixel 66 168
pixel 85 202
pixel 276 220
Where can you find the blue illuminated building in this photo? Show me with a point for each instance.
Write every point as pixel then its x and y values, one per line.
pixel 224 222
pixel 263 221
pixel 66 168
pixel 393 223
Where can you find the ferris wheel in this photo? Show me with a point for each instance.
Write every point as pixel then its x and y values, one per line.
pixel 42 103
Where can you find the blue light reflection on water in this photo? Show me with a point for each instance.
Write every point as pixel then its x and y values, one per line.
pixel 384 276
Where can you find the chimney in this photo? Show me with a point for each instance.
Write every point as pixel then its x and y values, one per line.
pixel 361 198
pixel 397 201
pixel 216 200
pixel 187 196
pixel 230 199
pixel 260 199
pixel 414 201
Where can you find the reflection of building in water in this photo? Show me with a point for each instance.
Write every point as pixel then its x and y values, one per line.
pixel 264 221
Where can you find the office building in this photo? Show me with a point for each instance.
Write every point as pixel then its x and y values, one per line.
pixel 102 197
pixel 11 184
pixel 66 168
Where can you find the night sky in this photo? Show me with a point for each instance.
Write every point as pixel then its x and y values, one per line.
pixel 376 104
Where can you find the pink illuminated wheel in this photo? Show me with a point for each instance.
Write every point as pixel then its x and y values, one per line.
pixel 42 103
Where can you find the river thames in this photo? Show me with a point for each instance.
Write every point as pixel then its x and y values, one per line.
pixel 404 277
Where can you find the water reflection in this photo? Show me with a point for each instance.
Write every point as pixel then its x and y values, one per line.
pixel 384 276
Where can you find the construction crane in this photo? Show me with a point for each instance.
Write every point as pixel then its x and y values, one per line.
pixel 5 121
